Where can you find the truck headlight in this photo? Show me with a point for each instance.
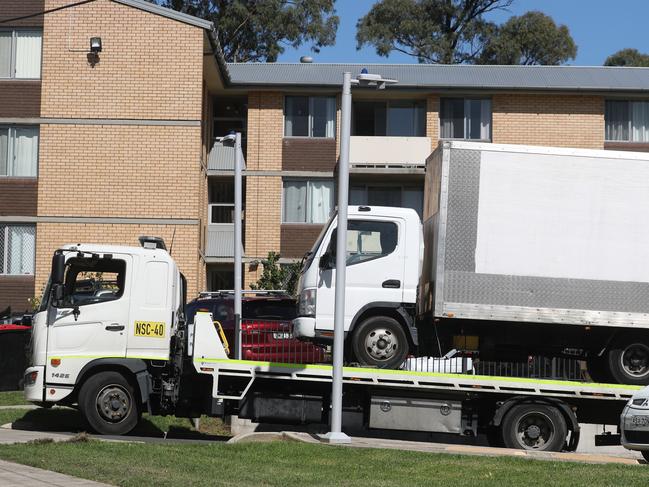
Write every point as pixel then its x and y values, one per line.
pixel 306 303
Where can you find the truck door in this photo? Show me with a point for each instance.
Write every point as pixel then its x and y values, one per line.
pixel 92 318
pixel 374 270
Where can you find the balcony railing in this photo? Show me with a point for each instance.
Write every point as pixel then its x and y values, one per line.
pixel 389 151
pixel 220 240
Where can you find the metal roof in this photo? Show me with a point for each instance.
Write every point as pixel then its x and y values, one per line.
pixel 167 12
pixel 582 78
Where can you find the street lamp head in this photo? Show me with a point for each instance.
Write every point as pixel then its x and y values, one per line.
pixel 370 79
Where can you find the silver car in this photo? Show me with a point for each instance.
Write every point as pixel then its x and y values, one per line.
pixel 634 423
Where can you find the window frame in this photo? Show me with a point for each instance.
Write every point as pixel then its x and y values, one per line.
pixel 465 99
pixel 11 149
pixel 310 117
pixel 68 265
pixel 386 103
pixel 331 246
pixel 4 257
pixel 629 102
pixel 308 182
pixel 12 54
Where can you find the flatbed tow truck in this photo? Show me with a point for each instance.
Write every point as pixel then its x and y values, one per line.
pixel 118 346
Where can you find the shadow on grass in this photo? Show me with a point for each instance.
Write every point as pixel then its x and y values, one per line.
pixel 71 421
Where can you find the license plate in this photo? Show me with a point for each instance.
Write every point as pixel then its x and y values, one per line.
pixel 640 421
pixel 282 335
pixel 152 329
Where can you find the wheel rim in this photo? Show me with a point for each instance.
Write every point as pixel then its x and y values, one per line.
pixel 381 344
pixel 635 360
pixel 114 403
pixel 534 431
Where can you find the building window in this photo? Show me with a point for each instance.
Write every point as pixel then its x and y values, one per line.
pixel 17 249
pixel 310 116
pixel 221 202
pixel 230 115
pixel 20 54
pixel 393 118
pixel 18 151
pixel 627 121
pixel 308 201
pixel 465 118
pixel 388 195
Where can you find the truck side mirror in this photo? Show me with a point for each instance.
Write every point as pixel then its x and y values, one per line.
pixel 58 268
pixel 57 294
pixel 326 261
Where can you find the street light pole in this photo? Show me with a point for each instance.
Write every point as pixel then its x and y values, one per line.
pixel 335 434
pixel 237 243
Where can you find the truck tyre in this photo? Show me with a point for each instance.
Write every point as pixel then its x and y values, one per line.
pixel 628 360
pixel 537 427
pixel 380 341
pixel 107 402
pixel 598 369
pixel 645 455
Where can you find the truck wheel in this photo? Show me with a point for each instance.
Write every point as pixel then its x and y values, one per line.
pixel 534 427
pixel 645 455
pixel 628 361
pixel 381 342
pixel 107 402
pixel 598 370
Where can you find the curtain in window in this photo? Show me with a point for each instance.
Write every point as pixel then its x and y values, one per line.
pixel 452 115
pixel 414 198
pixel 640 121
pixel 295 201
pixel 297 116
pixel 320 201
pixel 323 116
pixel 22 240
pixel 28 54
pixel 5 54
pixel 485 119
pixel 4 150
pixel 617 120
pixel 25 152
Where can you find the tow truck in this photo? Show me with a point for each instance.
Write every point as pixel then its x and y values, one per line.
pixel 110 338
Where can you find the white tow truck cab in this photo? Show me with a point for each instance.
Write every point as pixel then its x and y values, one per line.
pixel 111 339
pixel 525 251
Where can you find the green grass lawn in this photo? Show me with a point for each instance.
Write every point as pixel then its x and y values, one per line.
pixel 297 464
pixel 12 398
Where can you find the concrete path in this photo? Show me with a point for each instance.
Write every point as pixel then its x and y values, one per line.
pixel 14 474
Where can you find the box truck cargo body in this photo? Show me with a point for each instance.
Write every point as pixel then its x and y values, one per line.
pixel 526 250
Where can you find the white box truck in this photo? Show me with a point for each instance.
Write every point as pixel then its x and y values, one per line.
pixel 524 250
pixel 110 338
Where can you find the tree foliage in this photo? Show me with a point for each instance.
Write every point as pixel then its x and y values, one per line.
pixel 456 31
pixel 276 276
pixel 628 57
pixel 259 30
pixel 532 38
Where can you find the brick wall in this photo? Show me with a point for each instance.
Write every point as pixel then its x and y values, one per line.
pixel 18 196
pixel 150 67
pixel 262 219
pixel 185 244
pixel 297 239
pixel 15 292
pixel 432 120
pixel 265 131
pixel 20 98
pixel 308 154
pixel 19 8
pixel 552 120
pixel 119 171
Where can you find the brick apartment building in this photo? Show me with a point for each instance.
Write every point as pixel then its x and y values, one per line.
pixel 107 147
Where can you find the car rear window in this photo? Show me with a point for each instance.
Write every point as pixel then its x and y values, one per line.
pixel 269 309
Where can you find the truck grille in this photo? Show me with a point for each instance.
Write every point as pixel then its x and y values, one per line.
pixel 637 436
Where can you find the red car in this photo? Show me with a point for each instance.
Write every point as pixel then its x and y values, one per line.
pixel 266 330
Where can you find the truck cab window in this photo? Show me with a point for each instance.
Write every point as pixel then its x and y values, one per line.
pixel 367 240
pixel 93 280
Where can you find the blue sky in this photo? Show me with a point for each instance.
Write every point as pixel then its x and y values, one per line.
pixel 599 27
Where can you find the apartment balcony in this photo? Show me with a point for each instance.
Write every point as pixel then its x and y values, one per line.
pixel 389 153
pixel 219 244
